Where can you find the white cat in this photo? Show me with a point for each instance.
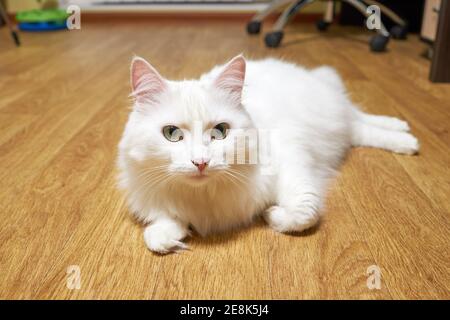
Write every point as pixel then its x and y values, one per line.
pixel 171 156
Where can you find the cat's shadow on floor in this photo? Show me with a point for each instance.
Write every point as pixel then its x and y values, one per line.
pixel 258 225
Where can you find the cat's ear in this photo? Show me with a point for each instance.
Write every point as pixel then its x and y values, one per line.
pixel 146 82
pixel 232 77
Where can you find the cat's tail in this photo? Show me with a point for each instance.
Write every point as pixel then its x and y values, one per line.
pixel 383 132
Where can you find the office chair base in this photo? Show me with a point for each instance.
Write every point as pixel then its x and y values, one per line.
pixel 273 39
pixel 253 27
pixel 399 32
pixel 322 25
pixel 378 43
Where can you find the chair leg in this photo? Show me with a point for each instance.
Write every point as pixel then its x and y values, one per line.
pixel 385 10
pixel 328 17
pixel 273 39
pixel 289 13
pixel 400 30
pixel 329 11
pixel 377 43
pixel 271 8
pixel 360 6
pixel 13 32
pixel 254 26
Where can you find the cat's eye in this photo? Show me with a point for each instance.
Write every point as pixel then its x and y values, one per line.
pixel 172 133
pixel 220 131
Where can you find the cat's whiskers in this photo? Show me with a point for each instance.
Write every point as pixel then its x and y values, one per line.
pixel 153 178
pixel 239 182
pixel 243 177
pixel 149 171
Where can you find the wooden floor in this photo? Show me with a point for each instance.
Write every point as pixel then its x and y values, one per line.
pixel 63 105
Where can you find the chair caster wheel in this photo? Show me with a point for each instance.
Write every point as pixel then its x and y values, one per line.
pixel 253 27
pixel 399 32
pixel 322 25
pixel 378 43
pixel 273 39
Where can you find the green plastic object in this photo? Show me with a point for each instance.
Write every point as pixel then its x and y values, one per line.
pixel 45 15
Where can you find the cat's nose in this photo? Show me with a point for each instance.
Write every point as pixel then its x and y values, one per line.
pixel 200 164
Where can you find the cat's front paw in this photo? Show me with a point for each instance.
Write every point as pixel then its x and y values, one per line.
pixel 409 144
pixel 282 220
pixel 165 237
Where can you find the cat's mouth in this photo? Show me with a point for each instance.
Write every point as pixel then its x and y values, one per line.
pixel 197 181
pixel 198 176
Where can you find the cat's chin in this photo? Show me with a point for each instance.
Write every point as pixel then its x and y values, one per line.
pixel 197 179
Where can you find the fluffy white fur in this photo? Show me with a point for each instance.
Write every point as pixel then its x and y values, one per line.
pixel 311 123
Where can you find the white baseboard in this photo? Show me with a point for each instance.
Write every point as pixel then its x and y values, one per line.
pixel 167 7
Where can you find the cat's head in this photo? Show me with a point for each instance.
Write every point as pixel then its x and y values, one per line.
pixel 187 130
